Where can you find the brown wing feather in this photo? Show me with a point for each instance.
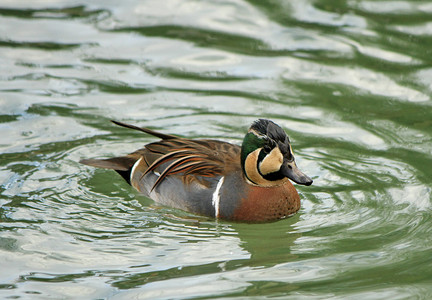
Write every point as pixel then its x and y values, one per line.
pixel 192 158
pixel 205 158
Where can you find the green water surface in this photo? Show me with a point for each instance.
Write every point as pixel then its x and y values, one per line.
pixel 350 81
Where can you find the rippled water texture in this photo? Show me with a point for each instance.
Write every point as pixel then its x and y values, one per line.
pixel 350 81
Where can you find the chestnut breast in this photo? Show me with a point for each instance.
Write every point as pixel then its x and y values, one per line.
pixel 251 203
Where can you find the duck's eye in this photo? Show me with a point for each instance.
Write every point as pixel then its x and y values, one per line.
pixel 267 148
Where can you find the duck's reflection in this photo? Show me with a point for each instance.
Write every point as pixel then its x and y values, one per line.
pixel 204 249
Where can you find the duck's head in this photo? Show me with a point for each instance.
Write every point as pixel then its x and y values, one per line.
pixel 267 158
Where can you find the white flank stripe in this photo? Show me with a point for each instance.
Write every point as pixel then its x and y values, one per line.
pixel 216 196
pixel 133 171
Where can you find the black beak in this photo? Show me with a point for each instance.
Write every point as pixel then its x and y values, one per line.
pixel 290 170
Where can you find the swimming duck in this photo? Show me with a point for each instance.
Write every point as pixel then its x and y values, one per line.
pixel 214 178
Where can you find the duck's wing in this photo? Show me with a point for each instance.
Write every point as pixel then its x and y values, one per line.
pixel 193 159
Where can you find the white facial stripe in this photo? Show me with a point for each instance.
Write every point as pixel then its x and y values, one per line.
pixel 216 196
pixel 291 150
pixel 254 132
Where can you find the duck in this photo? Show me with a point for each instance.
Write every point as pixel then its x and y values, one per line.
pixel 216 179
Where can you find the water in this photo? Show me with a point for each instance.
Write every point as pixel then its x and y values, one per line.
pixel 350 81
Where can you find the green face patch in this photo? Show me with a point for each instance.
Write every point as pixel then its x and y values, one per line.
pixel 250 143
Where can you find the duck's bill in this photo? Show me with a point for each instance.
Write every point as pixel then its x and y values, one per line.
pixel 290 170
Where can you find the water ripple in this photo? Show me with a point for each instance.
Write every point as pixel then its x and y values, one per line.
pixel 348 80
